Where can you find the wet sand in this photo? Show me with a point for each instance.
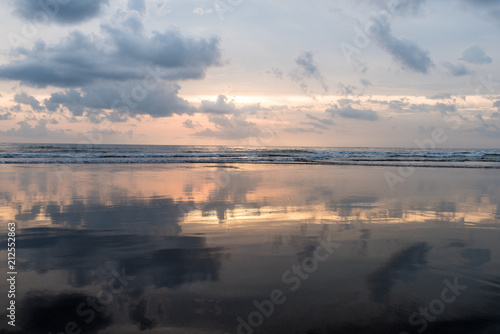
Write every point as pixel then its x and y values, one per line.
pixel 252 249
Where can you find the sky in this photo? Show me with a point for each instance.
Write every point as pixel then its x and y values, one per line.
pixel 359 73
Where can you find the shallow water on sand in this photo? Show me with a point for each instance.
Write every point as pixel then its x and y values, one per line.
pixel 252 249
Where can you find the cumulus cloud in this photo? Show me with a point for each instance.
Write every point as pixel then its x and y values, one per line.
pixel 474 54
pixel 223 105
pixel 120 55
pixel 229 120
pixel 60 12
pixel 125 100
pixel 26 130
pixel 230 128
pixel 406 52
pixel 23 98
pixel 220 106
pixel 347 111
pixel 457 70
pixel 305 69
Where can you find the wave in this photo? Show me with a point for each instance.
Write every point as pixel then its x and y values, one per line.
pixel 137 154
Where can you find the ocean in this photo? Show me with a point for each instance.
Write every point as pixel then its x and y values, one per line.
pixel 164 154
pixel 273 240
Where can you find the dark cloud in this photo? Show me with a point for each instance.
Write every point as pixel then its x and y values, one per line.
pixel 474 54
pixel 457 70
pixel 306 68
pixel 125 100
pixel 26 130
pixel 23 98
pixel 349 112
pixel 446 108
pixel 409 54
pixel 123 54
pixel 60 12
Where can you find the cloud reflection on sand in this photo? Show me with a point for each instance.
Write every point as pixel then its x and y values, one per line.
pixel 202 252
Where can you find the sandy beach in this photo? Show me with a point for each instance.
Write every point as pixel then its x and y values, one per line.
pixel 253 248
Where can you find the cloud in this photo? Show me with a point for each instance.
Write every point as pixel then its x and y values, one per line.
pixel 440 96
pixel 23 98
pixel 348 111
pixel 297 130
pixel 223 106
pixel 160 101
pixel 446 108
pixel 123 54
pixel 474 54
pixel 318 123
pixel 346 89
pixel 410 55
pixel 365 82
pixel 402 267
pixel 229 120
pixel 40 130
pixel 6 116
pixel 220 106
pixel 60 12
pixel 325 121
pixel 276 72
pixel 489 8
pixel 230 128
pixel 137 5
pixel 407 7
pixel 457 70
pixel 306 68
pixel 190 124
